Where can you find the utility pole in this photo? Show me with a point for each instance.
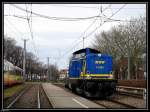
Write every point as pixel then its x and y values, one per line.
pixel 48 72
pixel 48 77
pixel 24 60
pixel 129 63
pixel 83 42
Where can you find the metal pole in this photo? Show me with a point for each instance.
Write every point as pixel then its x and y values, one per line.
pixel 83 42
pixel 24 60
pixel 128 64
pixel 47 68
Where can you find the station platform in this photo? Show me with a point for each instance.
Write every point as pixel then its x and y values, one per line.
pixel 60 98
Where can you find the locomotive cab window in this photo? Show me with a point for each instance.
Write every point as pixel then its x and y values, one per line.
pixel 81 55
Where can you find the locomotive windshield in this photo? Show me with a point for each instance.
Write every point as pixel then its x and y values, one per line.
pixel 81 55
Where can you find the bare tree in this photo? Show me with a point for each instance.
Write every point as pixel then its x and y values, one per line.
pixel 124 39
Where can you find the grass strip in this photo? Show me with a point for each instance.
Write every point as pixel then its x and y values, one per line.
pixel 12 90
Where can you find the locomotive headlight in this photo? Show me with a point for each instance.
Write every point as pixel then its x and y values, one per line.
pixel 88 77
pixel 110 76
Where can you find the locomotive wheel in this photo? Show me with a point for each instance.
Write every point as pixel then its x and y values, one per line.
pixel 107 94
pixel 73 88
pixel 86 93
pixel 79 91
pixel 66 86
pixel 111 92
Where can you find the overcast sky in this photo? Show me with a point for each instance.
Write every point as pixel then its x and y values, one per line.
pixel 53 38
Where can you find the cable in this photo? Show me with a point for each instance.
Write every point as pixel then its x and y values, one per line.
pixel 111 20
pixel 96 28
pixel 14 27
pixel 18 16
pixel 73 6
pixel 86 6
pixel 105 21
pixel 86 30
pixel 95 19
pixel 56 18
pixel 82 18
pixel 84 33
pixel 30 29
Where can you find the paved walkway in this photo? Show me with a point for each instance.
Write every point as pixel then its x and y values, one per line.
pixel 61 98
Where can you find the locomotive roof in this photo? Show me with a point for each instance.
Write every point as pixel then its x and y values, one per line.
pixel 84 50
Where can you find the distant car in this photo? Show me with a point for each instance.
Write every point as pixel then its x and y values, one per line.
pixel 90 73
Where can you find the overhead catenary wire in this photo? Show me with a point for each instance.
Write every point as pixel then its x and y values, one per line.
pixel 57 18
pixel 16 31
pixel 95 19
pixel 15 28
pixel 106 20
pixel 60 18
pixel 21 34
pixel 73 6
pixel 95 29
pixel 80 36
pixel 86 29
pixel 60 5
pixel 12 29
pixel 111 20
pixel 29 21
pixel 30 25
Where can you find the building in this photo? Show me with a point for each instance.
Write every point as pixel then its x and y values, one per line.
pixel 63 74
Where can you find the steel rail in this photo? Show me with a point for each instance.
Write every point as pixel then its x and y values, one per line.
pixel 130 91
pixel 124 104
pixel 38 96
pixel 42 89
pixel 16 99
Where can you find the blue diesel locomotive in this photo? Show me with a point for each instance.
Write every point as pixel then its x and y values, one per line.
pixel 90 73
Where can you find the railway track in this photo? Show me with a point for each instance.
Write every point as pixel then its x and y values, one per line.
pixel 126 101
pixel 18 96
pixel 109 104
pixel 124 104
pixel 131 91
pixel 131 94
pixel 120 100
pixel 43 98
pixel 32 97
